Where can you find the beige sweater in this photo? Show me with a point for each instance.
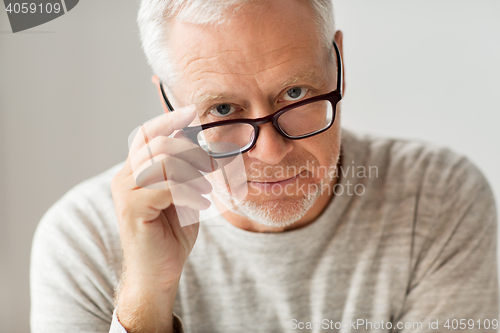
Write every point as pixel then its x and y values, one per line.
pixel 416 249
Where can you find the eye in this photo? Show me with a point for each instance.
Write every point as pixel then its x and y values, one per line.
pixel 295 94
pixel 222 110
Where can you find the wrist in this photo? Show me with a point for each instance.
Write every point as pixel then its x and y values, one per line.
pixel 143 307
pixel 158 281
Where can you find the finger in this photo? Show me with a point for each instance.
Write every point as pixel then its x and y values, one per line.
pixel 161 145
pixel 149 203
pixel 171 168
pixel 168 123
pixel 185 196
pixel 145 205
pixel 198 157
pixel 186 216
pixel 214 165
pixel 180 135
pixel 164 125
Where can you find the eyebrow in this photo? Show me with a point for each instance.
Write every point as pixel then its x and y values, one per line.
pixel 303 76
pixel 209 96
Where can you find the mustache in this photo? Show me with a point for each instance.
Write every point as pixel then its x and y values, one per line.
pixel 312 168
pixel 258 171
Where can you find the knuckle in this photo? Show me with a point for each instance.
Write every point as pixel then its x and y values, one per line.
pixel 122 213
pixel 113 183
pixel 160 143
pixel 164 140
pixel 116 183
pixel 169 162
pixel 162 157
pixel 145 130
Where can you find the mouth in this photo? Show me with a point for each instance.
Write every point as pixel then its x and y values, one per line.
pixel 275 182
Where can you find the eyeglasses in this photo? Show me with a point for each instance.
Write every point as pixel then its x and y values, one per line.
pixel 296 121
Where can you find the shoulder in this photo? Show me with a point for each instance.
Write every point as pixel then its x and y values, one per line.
pixel 88 201
pixel 439 196
pixel 82 224
pixel 430 193
pixel 431 186
pixel 415 163
pixel 76 258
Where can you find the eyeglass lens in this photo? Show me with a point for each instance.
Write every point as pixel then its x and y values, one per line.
pixel 297 122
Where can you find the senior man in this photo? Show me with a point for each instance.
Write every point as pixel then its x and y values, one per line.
pixel 401 237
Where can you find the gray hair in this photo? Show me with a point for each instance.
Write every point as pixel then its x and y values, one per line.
pixel 153 25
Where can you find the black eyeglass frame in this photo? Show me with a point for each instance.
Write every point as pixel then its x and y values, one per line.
pixel 333 97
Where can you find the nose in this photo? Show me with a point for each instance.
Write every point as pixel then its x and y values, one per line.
pixel 271 147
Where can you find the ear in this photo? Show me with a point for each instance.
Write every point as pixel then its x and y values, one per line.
pixel 156 81
pixel 339 37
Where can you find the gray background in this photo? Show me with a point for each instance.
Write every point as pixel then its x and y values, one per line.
pixel 72 90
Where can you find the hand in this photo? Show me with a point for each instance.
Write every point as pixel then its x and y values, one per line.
pixel 155 246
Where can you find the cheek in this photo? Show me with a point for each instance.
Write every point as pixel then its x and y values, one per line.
pixel 324 150
pixel 230 178
pixel 325 146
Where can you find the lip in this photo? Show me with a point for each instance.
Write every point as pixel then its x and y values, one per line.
pixel 283 182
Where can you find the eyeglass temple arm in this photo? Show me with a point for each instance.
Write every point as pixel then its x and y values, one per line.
pixel 340 86
pixel 167 102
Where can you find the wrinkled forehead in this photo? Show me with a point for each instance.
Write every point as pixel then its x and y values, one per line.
pixel 257 42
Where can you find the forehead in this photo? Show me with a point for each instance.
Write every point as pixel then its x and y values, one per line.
pixel 268 44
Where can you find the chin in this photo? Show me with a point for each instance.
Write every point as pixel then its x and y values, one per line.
pixel 276 212
pixel 279 209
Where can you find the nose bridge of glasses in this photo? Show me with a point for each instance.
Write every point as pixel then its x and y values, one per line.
pixel 266 124
pixel 272 118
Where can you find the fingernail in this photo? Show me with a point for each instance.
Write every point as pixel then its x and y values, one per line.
pixel 188 109
pixel 207 203
pixel 208 186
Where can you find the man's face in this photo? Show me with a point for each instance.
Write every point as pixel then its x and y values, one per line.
pixel 265 57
